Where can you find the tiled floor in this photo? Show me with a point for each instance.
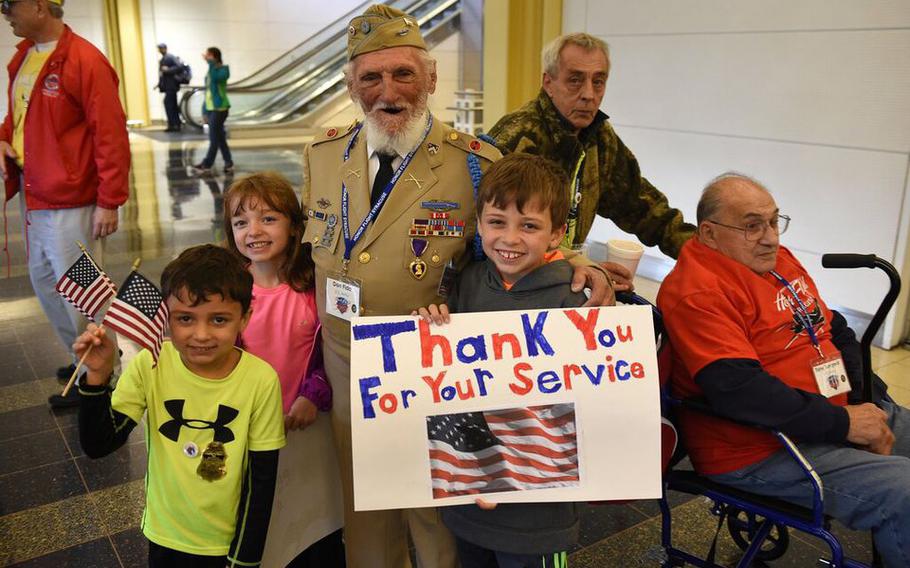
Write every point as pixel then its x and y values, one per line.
pixel 59 508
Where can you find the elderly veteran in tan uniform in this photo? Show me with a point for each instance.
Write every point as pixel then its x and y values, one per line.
pixel 405 183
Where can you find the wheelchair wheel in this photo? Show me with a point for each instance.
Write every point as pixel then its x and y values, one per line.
pixel 743 526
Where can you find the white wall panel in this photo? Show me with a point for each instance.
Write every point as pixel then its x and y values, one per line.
pixel 840 88
pixel 621 17
pixel 819 187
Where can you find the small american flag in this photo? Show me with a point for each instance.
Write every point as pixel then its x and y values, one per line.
pixel 139 312
pixel 503 450
pixel 85 286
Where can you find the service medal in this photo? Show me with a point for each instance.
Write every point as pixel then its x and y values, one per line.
pixel 418 268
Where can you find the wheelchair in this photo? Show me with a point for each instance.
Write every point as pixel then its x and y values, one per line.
pixel 760 525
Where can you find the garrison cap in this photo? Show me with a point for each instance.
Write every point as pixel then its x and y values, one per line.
pixel 381 27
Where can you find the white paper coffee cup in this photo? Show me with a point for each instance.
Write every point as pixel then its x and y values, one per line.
pixel 625 253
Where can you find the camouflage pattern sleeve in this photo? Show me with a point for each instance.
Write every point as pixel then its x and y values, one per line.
pixel 637 207
pixel 512 135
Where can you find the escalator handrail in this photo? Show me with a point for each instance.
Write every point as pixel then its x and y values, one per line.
pixel 423 19
pixel 339 24
pixel 301 102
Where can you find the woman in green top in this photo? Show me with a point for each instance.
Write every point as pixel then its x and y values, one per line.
pixel 216 111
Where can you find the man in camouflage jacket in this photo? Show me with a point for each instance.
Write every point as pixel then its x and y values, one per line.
pixel 564 124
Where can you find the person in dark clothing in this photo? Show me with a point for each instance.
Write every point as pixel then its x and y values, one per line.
pixel 168 83
pixel 752 336
pixel 521 217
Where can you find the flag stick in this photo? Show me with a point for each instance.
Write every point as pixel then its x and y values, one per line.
pixel 72 380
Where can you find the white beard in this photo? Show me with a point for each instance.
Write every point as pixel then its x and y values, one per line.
pixel 400 143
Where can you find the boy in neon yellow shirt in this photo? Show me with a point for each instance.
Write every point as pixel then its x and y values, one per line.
pixel 214 423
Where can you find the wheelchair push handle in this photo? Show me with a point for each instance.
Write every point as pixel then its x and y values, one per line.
pixel 848 260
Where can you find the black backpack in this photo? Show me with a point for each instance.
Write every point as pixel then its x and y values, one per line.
pixel 184 74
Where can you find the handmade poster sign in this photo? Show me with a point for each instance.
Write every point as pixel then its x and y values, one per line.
pixel 519 406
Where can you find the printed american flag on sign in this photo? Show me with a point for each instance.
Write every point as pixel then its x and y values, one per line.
pixel 139 312
pixel 503 450
pixel 85 286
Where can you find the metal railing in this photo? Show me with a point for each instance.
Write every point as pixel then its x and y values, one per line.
pixel 308 80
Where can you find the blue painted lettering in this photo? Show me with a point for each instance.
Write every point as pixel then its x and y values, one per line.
pixel 478 349
pixel 534 335
pixel 368 397
pixel 385 331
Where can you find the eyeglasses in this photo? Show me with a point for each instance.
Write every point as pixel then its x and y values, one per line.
pixel 7 5
pixel 753 231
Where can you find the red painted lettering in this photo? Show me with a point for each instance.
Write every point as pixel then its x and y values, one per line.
pixel 526 384
pixel 434 384
pixel 585 325
pixel 500 339
pixel 567 372
pixel 428 341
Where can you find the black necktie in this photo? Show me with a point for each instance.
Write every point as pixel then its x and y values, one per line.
pixel 383 176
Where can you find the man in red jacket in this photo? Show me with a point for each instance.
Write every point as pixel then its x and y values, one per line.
pixel 64 146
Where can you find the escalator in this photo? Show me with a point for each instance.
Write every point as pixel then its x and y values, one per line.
pixel 307 83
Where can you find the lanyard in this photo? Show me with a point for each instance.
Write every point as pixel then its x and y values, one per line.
pixel 801 312
pixel 575 196
pixel 349 240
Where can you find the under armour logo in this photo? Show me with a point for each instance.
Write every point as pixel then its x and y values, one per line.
pixel 171 428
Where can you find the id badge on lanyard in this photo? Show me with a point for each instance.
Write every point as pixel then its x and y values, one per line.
pixel 342 296
pixel 829 370
pixel 831 375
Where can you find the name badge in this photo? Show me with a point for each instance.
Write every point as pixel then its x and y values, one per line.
pixel 831 375
pixel 342 297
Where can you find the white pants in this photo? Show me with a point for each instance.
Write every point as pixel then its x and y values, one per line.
pixel 50 238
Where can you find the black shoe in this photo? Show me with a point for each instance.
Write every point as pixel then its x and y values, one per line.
pixel 64 373
pixel 69 401
pixel 201 169
pixel 229 169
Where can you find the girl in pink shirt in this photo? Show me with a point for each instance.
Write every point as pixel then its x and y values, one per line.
pixel 263 223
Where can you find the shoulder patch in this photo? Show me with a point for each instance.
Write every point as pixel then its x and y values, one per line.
pixel 472 145
pixel 330 133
